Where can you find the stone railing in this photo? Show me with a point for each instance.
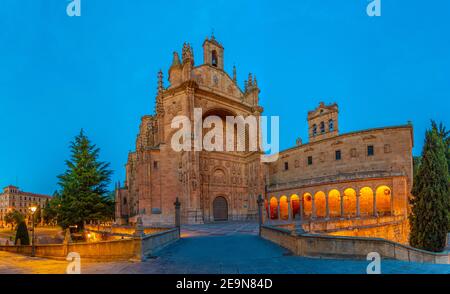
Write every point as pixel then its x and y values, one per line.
pixel 130 248
pixel 310 245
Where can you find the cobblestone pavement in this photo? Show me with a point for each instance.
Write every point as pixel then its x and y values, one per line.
pixel 218 248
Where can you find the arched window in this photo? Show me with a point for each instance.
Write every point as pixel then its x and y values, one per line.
pixel 331 125
pixel 314 130
pixel 322 127
pixel 124 201
pixel 214 60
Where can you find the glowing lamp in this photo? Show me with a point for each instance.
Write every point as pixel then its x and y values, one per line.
pixel 33 209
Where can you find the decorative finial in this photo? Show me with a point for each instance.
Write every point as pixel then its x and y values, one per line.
pixel 234 74
pixel 250 80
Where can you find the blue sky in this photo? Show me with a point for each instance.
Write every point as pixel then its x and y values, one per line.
pixel 98 72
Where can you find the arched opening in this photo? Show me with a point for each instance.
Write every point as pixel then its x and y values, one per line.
pixel 366 201
pixel 334 203
pixel 322 127
pixel 331 125
pixel 349 202
pixel 214 59
pixel 220 209
pixel 295 205
pixel 284 209
pixel 307 204
pixel 273 208
pixel 384 200
pixel 320 202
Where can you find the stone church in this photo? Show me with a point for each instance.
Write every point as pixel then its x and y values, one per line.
pixel 334 177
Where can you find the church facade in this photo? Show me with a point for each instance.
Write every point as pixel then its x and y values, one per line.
pixel 332 178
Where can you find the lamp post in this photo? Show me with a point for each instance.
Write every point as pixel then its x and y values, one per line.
pixel 33 210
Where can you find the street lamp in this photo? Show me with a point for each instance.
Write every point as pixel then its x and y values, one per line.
pixel 33 210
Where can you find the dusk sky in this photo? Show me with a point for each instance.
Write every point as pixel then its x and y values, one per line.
pixel 59 74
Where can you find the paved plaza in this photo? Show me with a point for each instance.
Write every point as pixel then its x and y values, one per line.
pixel 229 248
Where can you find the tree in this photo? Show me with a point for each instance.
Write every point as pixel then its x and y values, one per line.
pixel 445 135
pixel 14 217
pixel 83 186
pixel 22 234
pixel 430 202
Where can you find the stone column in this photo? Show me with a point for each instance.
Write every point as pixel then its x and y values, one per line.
pixel 260 203
pixel 177 205
pixel 375 203
pixel 300 209
pixel 357 205
pixel 327 216
pixel 289 210
pixel 313 208
pixel 278 209
pixel 342 206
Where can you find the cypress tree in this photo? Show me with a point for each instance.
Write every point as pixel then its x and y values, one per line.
pixel 430 202
pixel 83 186
pixel 22 234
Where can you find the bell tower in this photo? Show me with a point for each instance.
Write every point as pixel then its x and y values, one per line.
pixel 213 53
pixel 323 122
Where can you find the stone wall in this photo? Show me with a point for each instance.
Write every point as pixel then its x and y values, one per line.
pixel 322 246
pixel 393 228
pixel 135 248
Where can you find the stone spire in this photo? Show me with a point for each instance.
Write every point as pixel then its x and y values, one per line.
pixel 160 82
pixel 187 54
pixel 234 74
pixel 159 103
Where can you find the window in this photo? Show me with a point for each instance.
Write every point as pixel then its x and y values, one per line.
pixel 155 164
pixel 370 150
pixel 314 130
pixel 286 165
pixel 322 127
pixel 331 125
pixel 310 160
pixel 338 155
pixel 214 61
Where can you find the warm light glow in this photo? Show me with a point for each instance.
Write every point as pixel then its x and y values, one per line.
pixel 366 201
pixel 273 208
pixel 33 209
pixel 320 202
pixel 383 200
pixel 284 212
pixel 350 202
pixel 295 204
pixel 307 204
pixel 334 203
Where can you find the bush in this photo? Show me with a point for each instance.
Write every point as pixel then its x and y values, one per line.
pixel 22 234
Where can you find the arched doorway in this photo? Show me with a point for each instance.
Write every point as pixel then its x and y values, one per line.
pixel 220 209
